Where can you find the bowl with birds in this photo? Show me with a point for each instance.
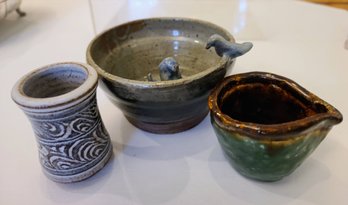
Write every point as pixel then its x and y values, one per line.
pixel 160 71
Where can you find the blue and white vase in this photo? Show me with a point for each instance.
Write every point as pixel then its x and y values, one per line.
pixel 60 102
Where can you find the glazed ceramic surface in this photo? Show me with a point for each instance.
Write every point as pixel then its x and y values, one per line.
pixel 60 102
pixel 267 124
pixel 127 59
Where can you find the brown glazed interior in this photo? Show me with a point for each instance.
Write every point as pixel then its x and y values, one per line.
pixel 266 104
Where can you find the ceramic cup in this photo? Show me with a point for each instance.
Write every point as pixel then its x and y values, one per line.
pixel 60 102
pixel 268 125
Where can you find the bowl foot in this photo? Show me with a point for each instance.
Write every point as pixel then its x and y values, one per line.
pixel 167 128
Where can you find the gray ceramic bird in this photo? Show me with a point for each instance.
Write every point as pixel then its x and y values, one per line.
pixel 227 48
pixel 169 69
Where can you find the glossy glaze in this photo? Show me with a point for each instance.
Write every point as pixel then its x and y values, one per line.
pixel 126 54
pixel 267 124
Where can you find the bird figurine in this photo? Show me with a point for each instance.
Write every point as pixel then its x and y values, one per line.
pixel 169 69
pixel 227 48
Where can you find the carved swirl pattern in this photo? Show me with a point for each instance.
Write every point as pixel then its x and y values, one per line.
pixel 71 143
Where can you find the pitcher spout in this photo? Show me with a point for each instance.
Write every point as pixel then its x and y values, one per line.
pixel 326 113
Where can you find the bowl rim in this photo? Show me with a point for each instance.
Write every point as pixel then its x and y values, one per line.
pixel 223 62
pixel 270 132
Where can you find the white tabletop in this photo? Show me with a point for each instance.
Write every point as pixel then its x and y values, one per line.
pixel 302 41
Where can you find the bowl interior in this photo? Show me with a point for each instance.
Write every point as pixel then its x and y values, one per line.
pixel 265 101
pixel 135 49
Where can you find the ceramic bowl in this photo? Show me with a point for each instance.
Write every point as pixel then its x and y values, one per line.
pixel 126 54
pixel 267 124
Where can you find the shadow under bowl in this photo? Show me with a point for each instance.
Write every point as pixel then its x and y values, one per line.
pixel 267 125
pixel 124 55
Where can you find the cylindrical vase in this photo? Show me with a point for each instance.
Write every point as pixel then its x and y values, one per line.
pixel 60 103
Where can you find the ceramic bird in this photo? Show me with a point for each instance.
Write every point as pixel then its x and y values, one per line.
pixel 227 48
pixel 169 69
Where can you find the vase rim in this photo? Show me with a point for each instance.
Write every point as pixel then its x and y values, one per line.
pixel 70 98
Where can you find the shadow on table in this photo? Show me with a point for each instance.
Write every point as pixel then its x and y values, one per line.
pixel 289 188
pixel 79 191
pixel 171 146
pixel 153 167
pixel 108 180
pixel 134 173
pixel 13 26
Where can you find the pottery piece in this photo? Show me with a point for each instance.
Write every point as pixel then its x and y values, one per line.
pixel 60 102
pixel 138 65
pixel 267 124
